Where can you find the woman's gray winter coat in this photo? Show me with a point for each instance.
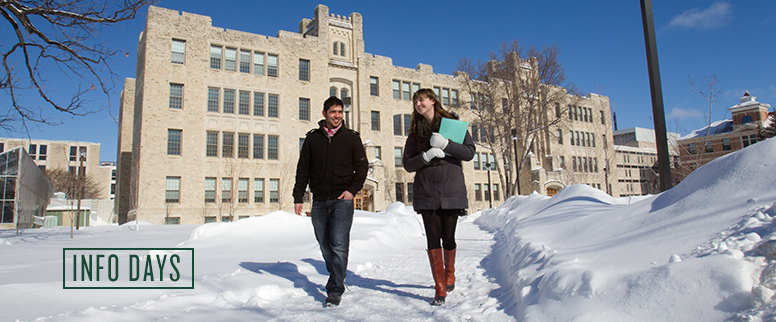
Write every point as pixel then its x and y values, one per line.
pixel 439 183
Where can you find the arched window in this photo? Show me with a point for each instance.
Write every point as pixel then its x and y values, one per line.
pixel 332 91
pixel 343 92
pixel 335 47
pixel 746 119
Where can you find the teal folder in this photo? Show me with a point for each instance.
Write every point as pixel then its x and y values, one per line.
pixel 454 130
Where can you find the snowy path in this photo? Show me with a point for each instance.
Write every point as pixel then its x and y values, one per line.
pixel 389 278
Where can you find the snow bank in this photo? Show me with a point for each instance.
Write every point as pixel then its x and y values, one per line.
pixel 683 255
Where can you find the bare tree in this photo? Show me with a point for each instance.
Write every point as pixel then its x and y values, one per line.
pixel 516 98
pixel 57 37
pixel 709 91
pixel 70 183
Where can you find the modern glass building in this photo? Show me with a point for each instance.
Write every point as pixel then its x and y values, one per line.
pixel 24 189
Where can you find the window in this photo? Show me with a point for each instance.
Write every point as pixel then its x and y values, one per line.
pixel 176 96
pixel 242 190
pixel 557 110
pixel 229 101
pixel 215 57
pixel 258 190
pixel 244 103
pixel 213 98
pixel 245 61
pixel 304 70
pixel 178 51
pixel 407 122
pixel 272 106
pixel 438 91
pixel 496 196
pixel 726 145
pixel 304 109
pixel 395 85
pixel 258 63
pixel 454 97
pixel 82 152
pixel 258 104
pixel 477 192
pixel 342 49
pixel 691 148
pixel 272 147
pixel 258 146
pixel 42 152
pixel 378 152
pixel 343 93
pixel 405 91
pixel 397 157
pixel 746 119
pixel 172 220
pixel 374 88
pixel 410 193
pixel 174 142
pixel 211 149
pixel 272 65
pixel 301 143
pixel 227 148
pixel 335 48
pixel 400 192
pixel 73 153
pixel 397 124
pixel 709 148
pixel 375 121
pixel 243 145
pixel 172 195
pixel 603 118
pixel 230 59
pixel 274 188
pixel 476 161
pixel 226 190
pixel 560 137
pixel 210 189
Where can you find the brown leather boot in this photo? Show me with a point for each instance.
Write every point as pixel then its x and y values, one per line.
pixel 450 269
pixel 435 257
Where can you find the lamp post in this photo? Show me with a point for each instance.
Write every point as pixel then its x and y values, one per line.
pixel 80 178
pixel 490 190
pixel 517 161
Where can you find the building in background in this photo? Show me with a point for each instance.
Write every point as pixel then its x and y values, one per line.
pixel 211 126
pixel 725 136
pixel 636 160
pixel 24 190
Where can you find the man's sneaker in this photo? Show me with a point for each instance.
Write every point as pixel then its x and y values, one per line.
pixel 333 299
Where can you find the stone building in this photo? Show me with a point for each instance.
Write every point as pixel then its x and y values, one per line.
pixel 636 160
pixel 725 136
pixel 52 154
pixel 211 126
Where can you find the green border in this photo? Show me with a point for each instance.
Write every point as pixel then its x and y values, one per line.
pixel 64 278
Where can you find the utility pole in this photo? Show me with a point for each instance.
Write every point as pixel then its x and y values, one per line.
pixel 80 178
pixel 517 161
pixel 658 112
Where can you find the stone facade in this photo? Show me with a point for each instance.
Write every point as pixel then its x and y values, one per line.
pixel 211 126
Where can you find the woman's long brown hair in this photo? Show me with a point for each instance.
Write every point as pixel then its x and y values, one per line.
pixel 439 111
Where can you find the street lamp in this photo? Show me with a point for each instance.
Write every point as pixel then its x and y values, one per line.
pixel 517 161
pixel 490 187
pixel 80 177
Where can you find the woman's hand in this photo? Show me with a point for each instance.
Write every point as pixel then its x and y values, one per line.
pixel 438 141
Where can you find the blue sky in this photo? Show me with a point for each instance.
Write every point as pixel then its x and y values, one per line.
pixel 601 42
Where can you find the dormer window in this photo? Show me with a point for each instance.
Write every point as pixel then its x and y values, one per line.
pixel 746 119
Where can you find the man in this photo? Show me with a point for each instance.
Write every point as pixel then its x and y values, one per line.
pixel 333 162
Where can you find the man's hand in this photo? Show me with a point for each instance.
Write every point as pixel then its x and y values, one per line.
pixel 346 195
pixel 298 208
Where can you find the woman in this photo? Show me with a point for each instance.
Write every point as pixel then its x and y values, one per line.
pixel 439 190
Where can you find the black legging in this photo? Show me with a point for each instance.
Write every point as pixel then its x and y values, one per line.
pixel 440 225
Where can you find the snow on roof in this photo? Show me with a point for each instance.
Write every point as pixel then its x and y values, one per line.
pixel 718 127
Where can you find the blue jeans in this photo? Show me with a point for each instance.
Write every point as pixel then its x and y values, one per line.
pixel 332 220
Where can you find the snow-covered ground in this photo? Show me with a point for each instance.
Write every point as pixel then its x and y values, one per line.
pixel 685 255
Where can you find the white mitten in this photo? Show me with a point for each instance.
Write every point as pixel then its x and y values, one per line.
pixel 433 153
pixel 439 141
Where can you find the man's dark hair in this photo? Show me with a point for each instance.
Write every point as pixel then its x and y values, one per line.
pixel 331 101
